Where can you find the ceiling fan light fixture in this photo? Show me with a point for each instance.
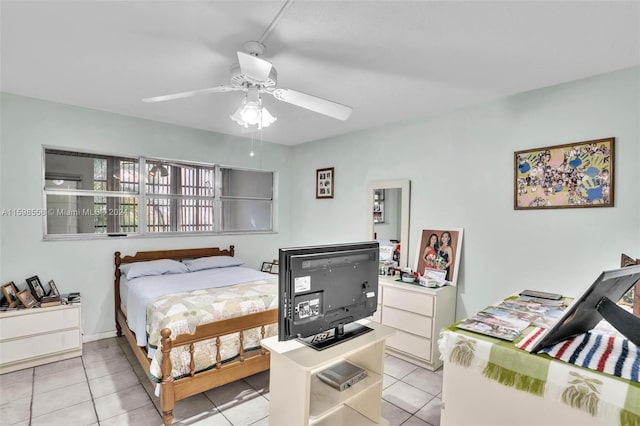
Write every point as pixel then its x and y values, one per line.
pixel 252 113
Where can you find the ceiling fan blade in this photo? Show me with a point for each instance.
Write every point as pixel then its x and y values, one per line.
pixel 217 89
pixel 253 67
pixel 313 103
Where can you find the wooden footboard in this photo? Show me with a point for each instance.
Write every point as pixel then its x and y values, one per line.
pixel 247 364
pixel 172 390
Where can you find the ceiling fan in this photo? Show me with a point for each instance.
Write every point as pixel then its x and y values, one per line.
pixel 256 76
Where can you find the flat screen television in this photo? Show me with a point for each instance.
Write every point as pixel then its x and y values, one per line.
pixel 324 289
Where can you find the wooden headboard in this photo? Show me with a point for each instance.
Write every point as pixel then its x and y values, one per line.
pixel 143 256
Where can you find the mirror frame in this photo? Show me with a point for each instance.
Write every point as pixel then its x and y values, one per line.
pixel 405 186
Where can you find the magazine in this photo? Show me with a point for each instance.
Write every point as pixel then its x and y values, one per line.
pixel 493 330
pixel 511 317
pixel 529 317
pixel 545 316
pixel 498 322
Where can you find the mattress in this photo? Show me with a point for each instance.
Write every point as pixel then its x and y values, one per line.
pixel 138 293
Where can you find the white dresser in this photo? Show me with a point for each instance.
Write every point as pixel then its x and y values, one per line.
pixel 417 314
pixel 30 337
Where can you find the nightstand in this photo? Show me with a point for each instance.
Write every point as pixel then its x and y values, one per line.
pixel 30 337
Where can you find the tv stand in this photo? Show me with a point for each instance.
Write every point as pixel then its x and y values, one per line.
pixel 341 333
pixel 297 396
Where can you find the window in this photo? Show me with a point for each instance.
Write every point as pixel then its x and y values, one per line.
pixel 179 197
pixel 90 193
pixel 247 199
pixel 99 194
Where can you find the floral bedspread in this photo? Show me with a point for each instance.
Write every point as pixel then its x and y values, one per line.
pixel 182 312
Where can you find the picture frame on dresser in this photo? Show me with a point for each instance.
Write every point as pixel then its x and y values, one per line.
pixel 10 293
pixel 37 290
pixel 27 298
pixel 439 253
pixel 53 289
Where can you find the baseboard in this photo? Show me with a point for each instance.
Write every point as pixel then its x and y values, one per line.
pixel 90 338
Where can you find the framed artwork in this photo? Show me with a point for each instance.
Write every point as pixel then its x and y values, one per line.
pixel 378 212
pixel 270 267
pixel 573 175
pixel 324 182
pixel 27 298
pixel 37 290
pixel 10 292
pixel 53 289
pixel 438 254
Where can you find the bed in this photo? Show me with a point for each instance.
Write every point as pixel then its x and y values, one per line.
pixel 199 337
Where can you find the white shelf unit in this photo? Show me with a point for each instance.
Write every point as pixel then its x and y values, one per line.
pixel 417 314
pixel 36 336
pixel 297 396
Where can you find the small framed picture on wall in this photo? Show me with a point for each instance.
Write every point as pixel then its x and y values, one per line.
pixel 324 182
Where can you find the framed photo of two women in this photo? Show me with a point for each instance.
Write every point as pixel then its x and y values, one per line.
pixel 439 254
pixel 578 174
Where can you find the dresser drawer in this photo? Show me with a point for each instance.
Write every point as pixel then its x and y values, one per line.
pixel 411 344
pixel 407 321
pixel 42 320
pixel 35 346
pixel 408 300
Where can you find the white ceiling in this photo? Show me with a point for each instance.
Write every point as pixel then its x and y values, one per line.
pixel 389 60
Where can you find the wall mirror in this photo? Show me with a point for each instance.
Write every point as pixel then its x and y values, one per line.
pixel 389 213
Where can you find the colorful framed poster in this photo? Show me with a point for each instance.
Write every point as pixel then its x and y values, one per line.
pixel 565 176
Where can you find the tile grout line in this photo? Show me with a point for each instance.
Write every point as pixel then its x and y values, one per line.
pixel 86 377
pixel 33 391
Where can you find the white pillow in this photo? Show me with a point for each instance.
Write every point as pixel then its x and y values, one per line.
pixel 153 267
pixel 212 262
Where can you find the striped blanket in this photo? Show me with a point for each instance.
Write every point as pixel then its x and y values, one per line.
pixel 608 354
pixel 613 399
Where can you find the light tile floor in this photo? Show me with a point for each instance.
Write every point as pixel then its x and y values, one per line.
pixel 106 386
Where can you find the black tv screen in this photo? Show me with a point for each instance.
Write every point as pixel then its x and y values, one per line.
pixel 324 289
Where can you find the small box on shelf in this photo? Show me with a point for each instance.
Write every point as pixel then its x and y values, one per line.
pixel 70 297
pixel 47 301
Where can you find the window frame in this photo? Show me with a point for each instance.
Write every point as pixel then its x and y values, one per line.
pixel 142 198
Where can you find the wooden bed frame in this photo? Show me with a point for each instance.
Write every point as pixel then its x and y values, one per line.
pixel 172 390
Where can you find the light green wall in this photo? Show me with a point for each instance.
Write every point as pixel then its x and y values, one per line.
pixel 461 170
pixel 87 266
pixel 460 166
